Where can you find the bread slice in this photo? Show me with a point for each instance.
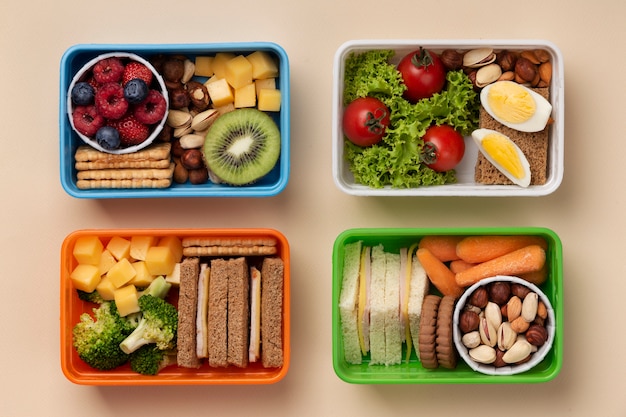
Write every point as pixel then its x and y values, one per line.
pixel 417 290
pixel 238 311
pixel 348 302
pixel 218 313
pixel 272 282
pixel 533 144
pixel 378 352
pixel 393 330
pixel 187 307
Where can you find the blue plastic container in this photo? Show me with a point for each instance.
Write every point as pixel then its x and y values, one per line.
pixel 77 56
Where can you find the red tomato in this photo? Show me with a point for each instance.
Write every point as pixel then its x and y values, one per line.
pixel 365 120
pixel 423 73
pixel 443 148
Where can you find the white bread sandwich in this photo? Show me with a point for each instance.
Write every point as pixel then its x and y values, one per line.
pixel 378 349
pixel 348 302
pixel 419 287
pixel 393 328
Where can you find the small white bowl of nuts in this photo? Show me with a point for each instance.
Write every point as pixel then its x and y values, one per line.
pixel 503 325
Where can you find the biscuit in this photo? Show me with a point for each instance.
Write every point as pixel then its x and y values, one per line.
pixel 153 152
pixel 427 332
pixel 229 250
pixel 126 174
pixel 228 241
pixel 128 164
pixel 446 353
pixel 131 183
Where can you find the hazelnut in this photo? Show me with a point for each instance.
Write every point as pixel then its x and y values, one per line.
pixel 479 298
pixel 506 59
pixel 499 362
pixel 536 335
pixel 198 176
pixel 468 321
pixel 192 159
pixel 500 292
pixel 173 69
pixel 179 98
pixel 198 95
pixel 177 150
pixel 525 69
pixel 165 135
pixel 519 290
pixel 181 175
pixel 451 59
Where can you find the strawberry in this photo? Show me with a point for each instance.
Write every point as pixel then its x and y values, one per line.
pixel 136 69
pixel 132 132
pixel 87 120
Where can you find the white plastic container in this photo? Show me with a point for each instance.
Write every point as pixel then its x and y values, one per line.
pixel 465 186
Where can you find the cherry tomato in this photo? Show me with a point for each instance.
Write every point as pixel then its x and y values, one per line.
pixel 423 73
pixel 365 121
pixel 443 149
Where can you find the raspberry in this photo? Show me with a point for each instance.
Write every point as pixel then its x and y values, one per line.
pixel 136 69
pixel 152 109
pixel 87 120
pixel 108 70
pixel 110 101
pixel 132 132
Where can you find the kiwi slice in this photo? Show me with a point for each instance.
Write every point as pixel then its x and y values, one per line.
pixel 242 146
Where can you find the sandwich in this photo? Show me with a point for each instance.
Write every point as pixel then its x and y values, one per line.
pixel 348 302
pixel 187 307
pixel 272 278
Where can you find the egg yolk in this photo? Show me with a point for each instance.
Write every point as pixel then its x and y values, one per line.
pixel 504 153
pixel 511 102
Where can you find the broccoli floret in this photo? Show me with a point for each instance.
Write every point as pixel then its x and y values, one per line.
pixel 158 324
pixel 157 288
pixel 149 359
pixel 92 297
pixel 97 339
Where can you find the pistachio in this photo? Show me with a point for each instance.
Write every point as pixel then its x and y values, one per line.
pixel 191 141
pixel 488 333
pixel 483 354
pixel 203 120
pixel 529 306
pixel 488 74
pixel 471 340
pixel 520 350
pixel 493 314
pixel 189 68
pixel 513 308
pixel 478 57
pixel 178 118
pixel 506 336
pixel 179 132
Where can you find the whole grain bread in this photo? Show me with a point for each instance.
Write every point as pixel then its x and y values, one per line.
pixel 533 144
pixel 187 308
pixel 272 277
pixel 218 314
pixel 238 311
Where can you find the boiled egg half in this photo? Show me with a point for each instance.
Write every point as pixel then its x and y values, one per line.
pixel 504 154
pixel 516 106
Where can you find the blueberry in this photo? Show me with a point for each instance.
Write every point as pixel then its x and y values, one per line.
pixel 83 93
pixel 108 137
pixel 136 91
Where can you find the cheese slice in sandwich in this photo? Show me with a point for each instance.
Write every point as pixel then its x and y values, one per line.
pixel 272 284
pixel 202 346
pixel 378 352
pixel 365 275
pixel 255 315
pixel 419 287
pixel 393 330
pixel 348 302
pixel 187 307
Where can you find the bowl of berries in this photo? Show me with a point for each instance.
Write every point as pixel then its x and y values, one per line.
pixel 116 103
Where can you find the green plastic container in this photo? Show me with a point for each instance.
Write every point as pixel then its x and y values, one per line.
pixel 412 372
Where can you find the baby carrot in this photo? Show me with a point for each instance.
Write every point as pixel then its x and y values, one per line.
pixel 536 277
pixel 438 273
pixel 476 249
pixel 459 265
pixel 442 246
pixel 522 261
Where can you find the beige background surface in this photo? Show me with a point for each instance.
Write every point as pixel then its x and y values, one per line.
pixel 587 211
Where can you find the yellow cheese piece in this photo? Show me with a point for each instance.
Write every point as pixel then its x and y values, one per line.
pixel 269 83
pixel 139 246
pixel 121 272
pixel 87 250
pixel 175 245
pixel 245 96
pixel 238 72
pixel 362 301
pixel 225 108
pixel 220 92
pixel 143 277
pixel 174 277
pixel 219 63
pixel 107 260
pixel 85 277
pixel 119 247
pixel 269 100
pixel 263 65
pixel 204 66
pixel 126 300
pixel 160 260
pixel 106 289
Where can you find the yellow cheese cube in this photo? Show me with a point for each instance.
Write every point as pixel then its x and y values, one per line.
pixel 263 65
pixel 225 108
pixel 174 277
pixel 119 247
pixel 139 246
pixel 219 63
pixel 85 277
pixel 126 300
pixel 238 72
pixel 160 260
pixel 87 250
pixel 121 272
pixel 269 100
pixel 204 66
pixel 220 92
pixel 106 289
pixel 269 83
pixel 245 96
pixel 175 245
pixel 143 277
pixel 107 260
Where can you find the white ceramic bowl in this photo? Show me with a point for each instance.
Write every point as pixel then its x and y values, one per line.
pixel 465 186
pixel 536 358
pixel 155 130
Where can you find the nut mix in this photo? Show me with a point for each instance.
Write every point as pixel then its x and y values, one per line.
pixel 508 328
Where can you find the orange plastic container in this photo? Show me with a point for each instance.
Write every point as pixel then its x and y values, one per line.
pixel 72 307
